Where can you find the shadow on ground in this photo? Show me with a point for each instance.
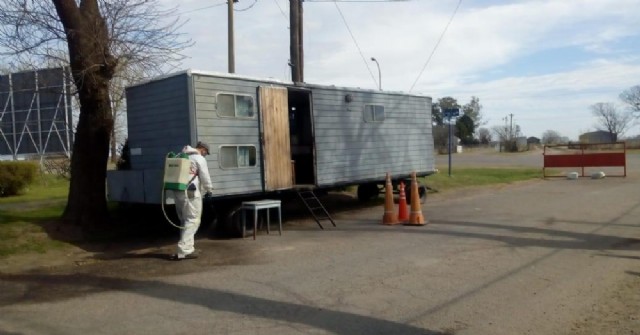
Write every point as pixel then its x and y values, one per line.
pixel 47 288
pixel 142 231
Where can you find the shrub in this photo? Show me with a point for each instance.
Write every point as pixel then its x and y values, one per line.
pixel 15 176
pixel 124 162
pixel 57 166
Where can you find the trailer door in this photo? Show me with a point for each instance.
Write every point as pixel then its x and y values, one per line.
pixel 276 147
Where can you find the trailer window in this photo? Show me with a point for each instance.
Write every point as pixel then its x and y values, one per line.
pixel 374 113
pixel 232 105
pixel 232 156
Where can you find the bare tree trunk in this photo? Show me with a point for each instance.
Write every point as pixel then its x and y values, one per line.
pixel 87 205
pixel 114 146
pixel 134 37
pixel 92 67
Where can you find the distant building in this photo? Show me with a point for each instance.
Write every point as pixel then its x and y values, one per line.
pixel 533 140
pixel 633 143
pixel 521 143
pixel 600 136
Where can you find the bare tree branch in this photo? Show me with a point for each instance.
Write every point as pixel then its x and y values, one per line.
pixel 484 135
pixel 631 97
pixel 551 137
pixel 107 44
pixel 611 120
pixel 139 31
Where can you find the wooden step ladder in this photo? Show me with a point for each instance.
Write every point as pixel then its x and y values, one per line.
pixel 314 206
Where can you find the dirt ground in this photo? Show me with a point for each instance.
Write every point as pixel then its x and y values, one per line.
pixel 616 312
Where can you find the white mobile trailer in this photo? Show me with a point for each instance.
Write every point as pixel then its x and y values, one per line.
pixel 268 136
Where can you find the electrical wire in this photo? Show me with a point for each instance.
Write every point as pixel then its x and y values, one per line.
pixel 356 42
pixel 357 0
pixel 246 9
pixel 281 11
pixel 202 8
pixel 218 5
pixel 436 46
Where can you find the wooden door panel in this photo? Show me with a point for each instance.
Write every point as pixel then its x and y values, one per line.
pixel 276 146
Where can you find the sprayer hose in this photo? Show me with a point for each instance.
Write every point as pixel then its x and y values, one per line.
pixel 165 212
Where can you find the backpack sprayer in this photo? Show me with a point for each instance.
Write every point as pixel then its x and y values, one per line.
pixel 176 177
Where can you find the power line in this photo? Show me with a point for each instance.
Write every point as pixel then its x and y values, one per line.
pixel 247 8
pixel 217 5
pixel 203 8
pixel 356 43
pixel 356 0
pixel 436 46
pixel 281 11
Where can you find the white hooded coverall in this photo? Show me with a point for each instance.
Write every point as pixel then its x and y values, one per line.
pixel 189 203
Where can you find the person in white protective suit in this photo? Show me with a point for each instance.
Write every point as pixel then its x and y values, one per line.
pixel 189 202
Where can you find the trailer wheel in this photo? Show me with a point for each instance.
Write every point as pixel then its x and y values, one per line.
pixel 210 221
pixel 233 222
pixel 422 191
pixel 367 192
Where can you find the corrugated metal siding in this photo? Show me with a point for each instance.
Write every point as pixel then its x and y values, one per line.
pixel 166 114
pixel 219 131
pixel 158 120
pixel 350 149
pixel 126 186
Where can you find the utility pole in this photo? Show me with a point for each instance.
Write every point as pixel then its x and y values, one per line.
pixel 511 125
pixel 231 56
pixel 507 136
pixel 300 41
pixel 506 128
pixel 296 44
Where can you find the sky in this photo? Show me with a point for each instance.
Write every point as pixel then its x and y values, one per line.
pixel 538 63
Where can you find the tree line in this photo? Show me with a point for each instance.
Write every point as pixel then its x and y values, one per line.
pixel 465 126
pixel 468 127
pixel 610 117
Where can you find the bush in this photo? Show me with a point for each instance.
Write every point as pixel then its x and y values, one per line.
pixel 57 166
pixel 124 162
pixel 15 176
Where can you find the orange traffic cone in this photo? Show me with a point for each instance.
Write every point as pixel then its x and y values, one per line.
pixel 389 217
pixel 416 218
pixel 403 211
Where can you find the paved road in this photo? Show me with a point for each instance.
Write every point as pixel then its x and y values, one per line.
pixel 526 259
pixel 533 158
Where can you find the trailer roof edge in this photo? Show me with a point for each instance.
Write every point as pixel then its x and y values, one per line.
pixel 191 72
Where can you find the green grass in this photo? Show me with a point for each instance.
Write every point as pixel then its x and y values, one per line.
pixel 466 177
pixel 45 188
pixel 23 217
pixel 22 231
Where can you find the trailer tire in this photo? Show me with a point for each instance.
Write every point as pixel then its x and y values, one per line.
pixel 422 191
pixel 233 222
pixel 367 192
pixel 210 221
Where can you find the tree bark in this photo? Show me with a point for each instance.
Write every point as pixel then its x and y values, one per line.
pixel 114 146
pixel 87 205
pixel 92 68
